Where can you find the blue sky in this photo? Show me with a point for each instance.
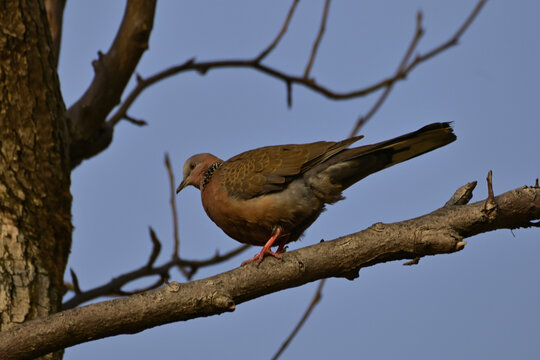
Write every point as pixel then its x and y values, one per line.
pixel 479 303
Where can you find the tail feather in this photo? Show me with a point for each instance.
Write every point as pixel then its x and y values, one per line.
pixel 351 165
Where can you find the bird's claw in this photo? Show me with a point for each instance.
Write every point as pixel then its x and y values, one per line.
pixel 260 256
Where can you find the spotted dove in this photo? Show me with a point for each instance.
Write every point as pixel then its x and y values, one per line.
pixel 271 195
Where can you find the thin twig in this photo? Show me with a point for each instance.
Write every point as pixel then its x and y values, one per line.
pixel 173 207
pixel 316 298
pixel 75 281
pixel 317 42
pixel 404 69
pixel 453 40
pixel 418 33
pixel 156 248
pixel 282 32
pixel 491 195
pixel 490 205
pixel 114 286
pixel 134 121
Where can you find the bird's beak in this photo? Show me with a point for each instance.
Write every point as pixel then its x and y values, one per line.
pixel 181 186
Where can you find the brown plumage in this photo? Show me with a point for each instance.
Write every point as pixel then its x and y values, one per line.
pixel 271 195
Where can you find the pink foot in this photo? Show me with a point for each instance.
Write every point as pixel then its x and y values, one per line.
pixel 281 248
pixel 266 250
pixel 259 257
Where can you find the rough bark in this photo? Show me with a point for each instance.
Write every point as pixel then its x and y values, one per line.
pixel 439 232
pixel 35 202
pixel 55 16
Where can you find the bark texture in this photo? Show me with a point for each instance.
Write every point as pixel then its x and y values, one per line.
pixel 35 202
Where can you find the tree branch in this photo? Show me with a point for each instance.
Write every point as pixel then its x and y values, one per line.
pixel 317 42
pixel 289 80
pixel 89 132
pixel 418 33
pixel 282 32
pixel 405 68
pixel 176 250
pixel 316 298
pixel 115 285
pixel 441 232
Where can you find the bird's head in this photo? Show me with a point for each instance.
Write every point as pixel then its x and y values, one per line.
pixel 194 169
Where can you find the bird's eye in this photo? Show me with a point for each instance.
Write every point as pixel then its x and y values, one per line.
pixel 192 166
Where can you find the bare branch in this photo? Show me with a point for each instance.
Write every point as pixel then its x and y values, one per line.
pixel 134 121
pixel 289 80
pixel 452 41
pixel 289 94
pixel 113 71
pixel 55 16
pixel 141 85
pixel 114 287
pixel 282 32
pixel 316 298
pixel 173 207
pixel 414 261
pixel 449 43
pixel 418 33
pixel 156 248
pixel 203 67
pixel 490 205
pixel 317 42
pixel 440 232
pixel 462 195
pixel 404 69
pixel 75 282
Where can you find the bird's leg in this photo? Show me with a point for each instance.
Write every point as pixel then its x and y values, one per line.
pixel 266 250
pixel 282 248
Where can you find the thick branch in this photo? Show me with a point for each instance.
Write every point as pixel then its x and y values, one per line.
pixel 439 232
pixel 89 133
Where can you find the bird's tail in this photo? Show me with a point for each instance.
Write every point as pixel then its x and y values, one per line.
pixel 352 165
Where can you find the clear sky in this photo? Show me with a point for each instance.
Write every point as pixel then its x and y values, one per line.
pixel 480 303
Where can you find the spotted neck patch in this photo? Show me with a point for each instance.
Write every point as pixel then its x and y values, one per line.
pixel 209 172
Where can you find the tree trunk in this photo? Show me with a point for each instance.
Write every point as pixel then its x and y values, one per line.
pixel 35 202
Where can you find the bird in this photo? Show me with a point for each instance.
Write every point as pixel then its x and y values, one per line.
pixel 270 195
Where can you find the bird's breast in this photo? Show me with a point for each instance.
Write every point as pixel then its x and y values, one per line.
pixel 252 221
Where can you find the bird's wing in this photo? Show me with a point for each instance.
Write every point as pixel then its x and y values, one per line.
pixel 272 168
